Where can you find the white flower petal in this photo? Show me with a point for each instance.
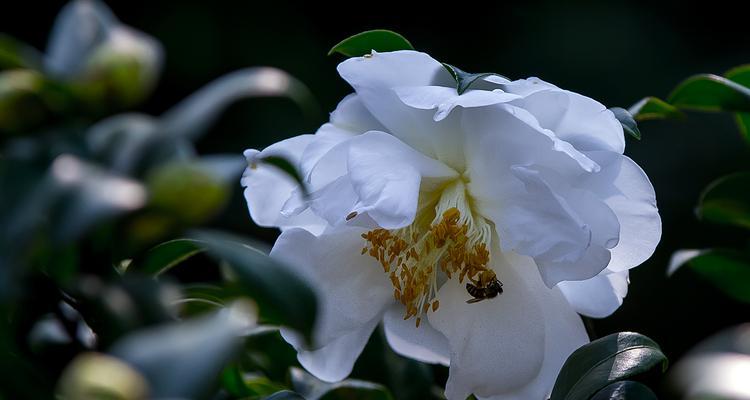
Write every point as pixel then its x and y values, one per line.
pixel 352 289
pixel 579 120
pixel 386 175
pixel 599 296
pixel 445 99
pixel 349 118
pixel 267 188
pixel 334 361
pixel 374 79
pixel 510 347
pixel 626 189
pixel 423 344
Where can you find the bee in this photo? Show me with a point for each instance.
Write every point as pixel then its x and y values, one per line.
pixel 493 288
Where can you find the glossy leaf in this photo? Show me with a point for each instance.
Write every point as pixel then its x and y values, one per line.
pixel 626 120
pixel 315 389
pixel 164 256
pixel 625 390
pixel 190 118
pixel 711 93
pixel 185 359
pixel 283 298
pixel 650 108
pixel 616 357
pixel 726 269
pixel 727 200
pixel 740 75
pixel 364 43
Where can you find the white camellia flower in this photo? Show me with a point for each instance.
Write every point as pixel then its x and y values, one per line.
pixel 476 227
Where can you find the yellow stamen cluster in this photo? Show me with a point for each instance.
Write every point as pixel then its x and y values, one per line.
pixel 411 256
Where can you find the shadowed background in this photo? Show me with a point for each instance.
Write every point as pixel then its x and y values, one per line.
pixel 616 53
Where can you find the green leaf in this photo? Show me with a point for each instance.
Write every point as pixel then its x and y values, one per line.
pixel 727 200
pixel 626 120
pixel 285 395
pixel 364 43
pixel 740 75
pixel 283 298
pixel 465 79
pixel 625 390
pixel 191 117
pixel 315 389
pixel 165 255
pixel 726 269
pixel 650 108
pixel 16 54
pixel 743 124
pixel 616 357
pixel 185 359
pixel 708 92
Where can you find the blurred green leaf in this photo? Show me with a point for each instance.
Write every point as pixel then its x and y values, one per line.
pixel 625 390
pixel 726 269
pixel 616 357
pixel 626 120
pixel 185 359
pixel 708 92
pixel 165 255
pixel 314 389
pixel 285 395
pixel 743 124
pixel 192 116
pixel 716 368
pixel 21 103
pixel 465 79
pixel 283 298
pixel 16 54
pixel 364 43
pixel 727 200
pixel 650 108
pixel 740 75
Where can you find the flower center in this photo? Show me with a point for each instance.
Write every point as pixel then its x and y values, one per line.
pixel 445 237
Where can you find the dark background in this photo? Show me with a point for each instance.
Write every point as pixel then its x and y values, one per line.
pixel 616 52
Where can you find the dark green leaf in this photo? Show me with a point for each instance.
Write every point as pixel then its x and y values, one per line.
pixel 616 357
pixel 740 75
pixel 315 389
pixel 185 359
pixel 650 108
pixel 283 298
pixel 288 168
pixel 15 54
pixel 711 93
pixel 191 117
pixel 727 200
pixel 465 79
pixel 285 395
pixel 363 43
pixel 165 255
pixel 743 124
pixel 728 270
pixel 626 120
pixel 625 390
